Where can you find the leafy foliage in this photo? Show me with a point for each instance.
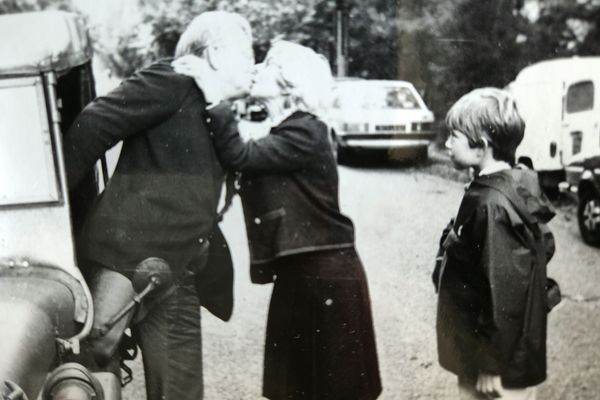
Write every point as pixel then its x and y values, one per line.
pixel 15 6
pixel 445 47
pixel 478 49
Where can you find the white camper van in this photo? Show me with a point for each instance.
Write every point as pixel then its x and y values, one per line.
pixel 557 99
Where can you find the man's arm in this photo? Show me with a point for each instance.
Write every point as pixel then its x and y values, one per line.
pixel 138 104
pixel 289 149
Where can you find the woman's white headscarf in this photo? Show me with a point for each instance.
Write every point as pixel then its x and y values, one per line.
pixel 305 75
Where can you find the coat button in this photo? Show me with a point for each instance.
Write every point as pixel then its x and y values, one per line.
pixel 257 221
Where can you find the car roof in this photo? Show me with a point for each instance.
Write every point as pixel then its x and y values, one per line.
pixel 42 41
pixel 560 68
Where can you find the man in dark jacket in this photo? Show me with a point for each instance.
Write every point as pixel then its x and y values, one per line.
pixel 162 201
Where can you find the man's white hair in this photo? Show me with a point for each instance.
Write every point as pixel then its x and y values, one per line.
pixel 211 28
pixel 305 75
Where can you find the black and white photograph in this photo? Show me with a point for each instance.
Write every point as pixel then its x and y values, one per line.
pixel 299 199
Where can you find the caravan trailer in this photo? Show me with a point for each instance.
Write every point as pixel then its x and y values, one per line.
pixel 557 99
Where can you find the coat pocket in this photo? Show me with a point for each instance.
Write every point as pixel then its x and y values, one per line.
pixel 198 263
pixel 263 234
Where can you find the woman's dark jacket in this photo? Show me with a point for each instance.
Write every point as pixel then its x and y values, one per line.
pixel 289 188
pixel 162 198
pixel 492 301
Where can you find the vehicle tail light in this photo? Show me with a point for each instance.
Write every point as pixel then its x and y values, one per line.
pixel 425 126
pixel 351 127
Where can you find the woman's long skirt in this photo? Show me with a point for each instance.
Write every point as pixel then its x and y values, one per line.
pixel 320 342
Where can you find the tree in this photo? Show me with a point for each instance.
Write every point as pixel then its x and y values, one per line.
pixel 375 29
pixel 15 6
pixel 164 21
pixel 480 47
pixel 567 28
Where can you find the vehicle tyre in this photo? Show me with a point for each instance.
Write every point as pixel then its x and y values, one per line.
pixel 588 218
pixel 339 151
pixel 422 155
pixel 549 181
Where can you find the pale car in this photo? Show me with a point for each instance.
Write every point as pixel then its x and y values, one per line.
pixel 383 115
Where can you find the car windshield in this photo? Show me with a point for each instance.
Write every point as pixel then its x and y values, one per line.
pixel 27 168
pixel 375 97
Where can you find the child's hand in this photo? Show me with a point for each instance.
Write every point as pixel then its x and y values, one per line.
pixel 490 385
pixel 435 276
pixel 446 231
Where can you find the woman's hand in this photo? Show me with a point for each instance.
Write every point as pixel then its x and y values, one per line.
pixel 490 385
pixel 188 65
pixel 197 69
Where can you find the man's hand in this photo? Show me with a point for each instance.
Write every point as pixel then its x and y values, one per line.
pixel 490 385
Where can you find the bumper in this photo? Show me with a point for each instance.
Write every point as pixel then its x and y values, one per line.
pixel 386 141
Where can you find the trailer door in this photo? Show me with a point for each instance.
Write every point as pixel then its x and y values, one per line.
pixel 579 135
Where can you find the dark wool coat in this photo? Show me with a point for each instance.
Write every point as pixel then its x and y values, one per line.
pixel 162 199
pixel 492 305
pixel 289 188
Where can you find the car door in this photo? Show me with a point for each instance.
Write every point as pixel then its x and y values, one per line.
pixel 579 133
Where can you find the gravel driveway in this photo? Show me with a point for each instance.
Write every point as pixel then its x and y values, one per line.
pixel 398 213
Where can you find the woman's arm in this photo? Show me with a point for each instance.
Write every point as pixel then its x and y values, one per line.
pixel 288 148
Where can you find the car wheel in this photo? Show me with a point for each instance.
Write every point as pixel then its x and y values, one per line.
pixel 423 155
pixel 588 217
pixel 339 152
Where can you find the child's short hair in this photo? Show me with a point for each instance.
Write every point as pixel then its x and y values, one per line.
pixel 489 114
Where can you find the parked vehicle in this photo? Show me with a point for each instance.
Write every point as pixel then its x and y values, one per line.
pixel 557 101
pixel 583 181
pixel 46 309
pixel 382 115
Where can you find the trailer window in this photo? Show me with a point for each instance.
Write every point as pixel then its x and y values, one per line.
pixel 580 97
pixel 28 173
pixel 576 139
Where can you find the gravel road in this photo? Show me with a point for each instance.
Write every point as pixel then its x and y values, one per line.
pixel 398 213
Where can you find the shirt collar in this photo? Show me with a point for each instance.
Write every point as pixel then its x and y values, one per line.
pixel 496 166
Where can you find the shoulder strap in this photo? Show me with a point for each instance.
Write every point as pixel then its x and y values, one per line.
pixel 231 189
